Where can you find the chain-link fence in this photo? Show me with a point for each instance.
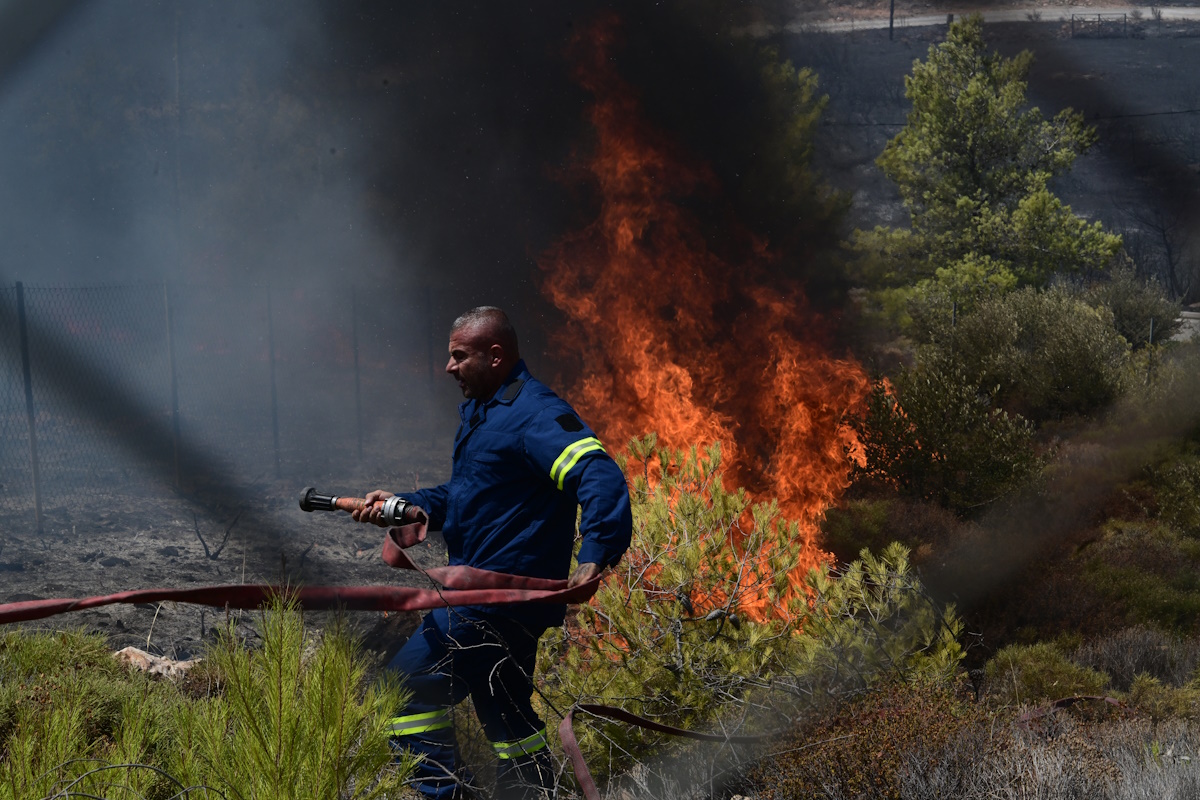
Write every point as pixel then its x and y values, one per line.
pixel 154 385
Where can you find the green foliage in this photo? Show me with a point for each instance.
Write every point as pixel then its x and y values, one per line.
pixel 1177 490
pixel 68 709
pixel 958 426
pixel 968 136
pixel 1047 353
pixel 997 355
pixel 972 166
pixel 1142 564
pixel 1162 387
pixel 673 635
pixel 709 611
pixel 1149 695
pixel 1134 303
pixel 957 289
pixel 938 435
pixel 872 523
pixel 292 721
pixel 295 720
pixel 873 619
pixel 1039 673
pixel 857 525
pixel 1151 570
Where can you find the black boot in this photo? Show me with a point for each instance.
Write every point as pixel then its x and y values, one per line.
pixel 529 777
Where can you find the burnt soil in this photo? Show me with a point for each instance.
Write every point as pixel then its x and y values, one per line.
pixel 156 537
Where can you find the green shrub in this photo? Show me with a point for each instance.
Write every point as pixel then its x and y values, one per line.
pixel 938 436
pixel 872 619
pixel 1039 673
pixel 701 613
pixel 874 523
pixel 63 714
pixel 1150 696
pixel 1151 570
pixel 710 610
pixel 294 720
pixel 1047 353
pixel 955 291
pixel 857 525
pixel 1177 490
pixel 1162 384
pixel 1134 303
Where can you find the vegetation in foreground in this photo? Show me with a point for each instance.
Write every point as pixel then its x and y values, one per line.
pixel 923 742
pixel 710 622
pixel 293 719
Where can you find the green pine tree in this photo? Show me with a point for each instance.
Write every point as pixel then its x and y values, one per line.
pixel 973 165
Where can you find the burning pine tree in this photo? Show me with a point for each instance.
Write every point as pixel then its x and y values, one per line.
pixel 692 333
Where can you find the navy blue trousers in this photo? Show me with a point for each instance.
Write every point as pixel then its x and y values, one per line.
pixel 458 653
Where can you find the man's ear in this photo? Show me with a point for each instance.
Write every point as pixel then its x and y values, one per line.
pixel 496 355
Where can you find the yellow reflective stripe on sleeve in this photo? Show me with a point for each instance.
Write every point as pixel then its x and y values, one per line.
pixel 570 456
pixel 419 723
pixel 530 744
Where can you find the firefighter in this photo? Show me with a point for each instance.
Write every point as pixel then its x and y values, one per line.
pixel 523 464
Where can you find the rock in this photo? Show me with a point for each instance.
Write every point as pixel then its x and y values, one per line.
pixel 155 665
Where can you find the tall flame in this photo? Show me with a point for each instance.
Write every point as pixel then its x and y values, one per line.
pixel 682 338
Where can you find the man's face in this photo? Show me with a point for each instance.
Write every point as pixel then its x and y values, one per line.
pixel 475 363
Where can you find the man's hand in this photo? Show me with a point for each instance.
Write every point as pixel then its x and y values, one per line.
pixel 583 573
pixel 372 512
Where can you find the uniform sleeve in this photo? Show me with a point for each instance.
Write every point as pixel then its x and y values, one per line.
pixel 433 500
pixel 568 453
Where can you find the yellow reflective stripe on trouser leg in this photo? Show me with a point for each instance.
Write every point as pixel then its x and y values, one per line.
pixel 522 747
pixel 570 456
pixel 419 723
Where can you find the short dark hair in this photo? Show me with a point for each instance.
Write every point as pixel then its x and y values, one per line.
pixel 495 321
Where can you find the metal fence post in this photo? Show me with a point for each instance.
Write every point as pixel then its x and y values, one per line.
pixel 430 394
pixel 174 383
pixel 357 382
pixel 274 392
pixel 27 373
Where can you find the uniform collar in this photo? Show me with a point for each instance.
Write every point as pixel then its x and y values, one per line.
pixel 505 395
pixel 511 387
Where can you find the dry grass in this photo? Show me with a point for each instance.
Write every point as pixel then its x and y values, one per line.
pixel 1141 650
pixel 910 741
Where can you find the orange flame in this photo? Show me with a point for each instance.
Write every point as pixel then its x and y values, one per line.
pixel 686 340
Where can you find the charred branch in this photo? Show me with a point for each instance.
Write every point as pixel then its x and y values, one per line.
pixel 212 555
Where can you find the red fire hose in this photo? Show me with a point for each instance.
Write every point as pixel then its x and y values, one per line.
pixel 461 586
pixel 464 586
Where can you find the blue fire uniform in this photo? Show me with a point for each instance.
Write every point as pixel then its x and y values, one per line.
pixel 524 463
